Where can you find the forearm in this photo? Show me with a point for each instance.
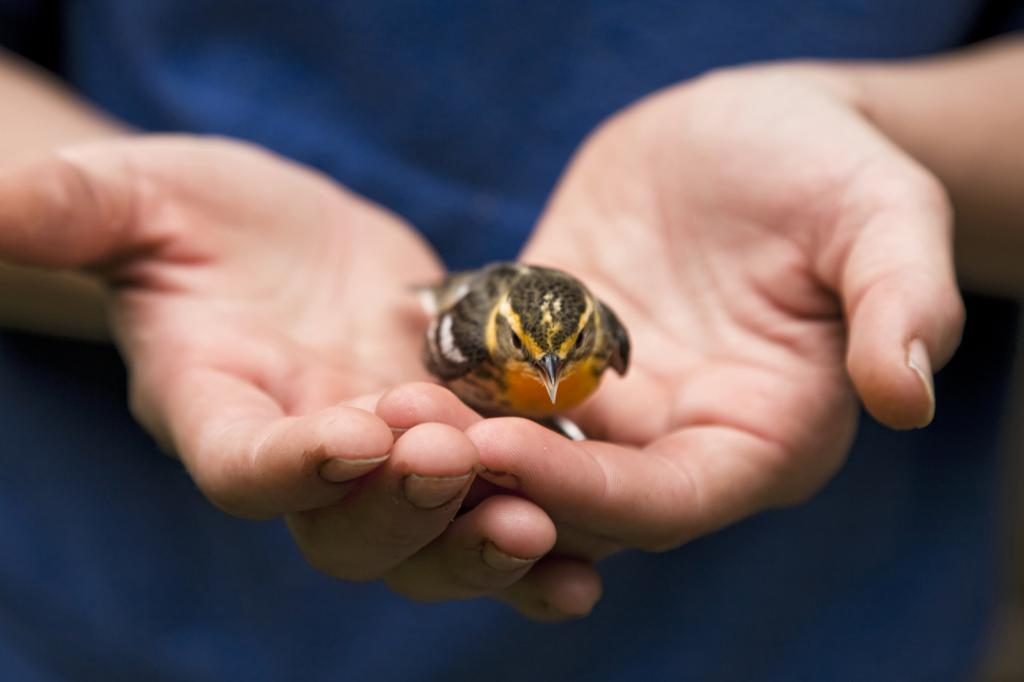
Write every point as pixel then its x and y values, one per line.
pixel 38 114
pixel 962 116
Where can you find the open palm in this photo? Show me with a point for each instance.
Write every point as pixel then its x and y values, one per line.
pixel 235 278
pixel 262 311
pixel 765 246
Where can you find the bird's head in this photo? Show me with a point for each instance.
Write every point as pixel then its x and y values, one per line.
pixel 544 326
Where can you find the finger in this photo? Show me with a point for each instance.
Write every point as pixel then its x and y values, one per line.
pixel 68 209
pixel 366 402
pixel 249 458
pixel 584 544
pixel 685 485
pixel 905 314
pixel 483 551
pixel 556 589
pixel 394 513
pixel 415 403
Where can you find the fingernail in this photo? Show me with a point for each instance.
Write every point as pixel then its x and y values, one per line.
pixel 339 470
pixel 502 478
pixel 503 561
pixel 433 492
pixel 918 360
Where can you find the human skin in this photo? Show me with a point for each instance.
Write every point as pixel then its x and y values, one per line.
pixel 809 265
pixel 803 263
pixel 263 313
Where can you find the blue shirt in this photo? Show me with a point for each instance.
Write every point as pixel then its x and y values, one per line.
pixel 460 116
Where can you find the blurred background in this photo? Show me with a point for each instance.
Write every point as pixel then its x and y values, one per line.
pixel 1006 658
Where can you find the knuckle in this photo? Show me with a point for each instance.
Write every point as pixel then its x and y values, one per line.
pixel 923 192
pixel 908 187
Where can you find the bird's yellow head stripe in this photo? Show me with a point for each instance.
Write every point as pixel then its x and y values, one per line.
pixel 504 308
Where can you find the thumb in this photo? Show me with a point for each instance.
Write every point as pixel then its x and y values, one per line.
pixel 247 455
pixel 71 208
pixel 903 308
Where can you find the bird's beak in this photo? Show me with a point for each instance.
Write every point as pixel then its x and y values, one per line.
pixel 550 366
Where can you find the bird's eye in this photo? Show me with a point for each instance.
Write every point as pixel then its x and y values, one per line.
pixel 580 338
pixel 516 341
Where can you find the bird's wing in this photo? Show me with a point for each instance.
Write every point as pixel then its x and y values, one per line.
pixel 455 337
pixel 618 338
pixel 435 298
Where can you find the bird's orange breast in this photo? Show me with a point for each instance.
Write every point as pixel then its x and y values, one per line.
pixel 526 394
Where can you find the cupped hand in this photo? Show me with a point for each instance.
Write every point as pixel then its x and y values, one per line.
pixel 262 310
pixel 774 258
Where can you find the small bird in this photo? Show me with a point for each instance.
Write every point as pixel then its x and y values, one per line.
pixel 515 339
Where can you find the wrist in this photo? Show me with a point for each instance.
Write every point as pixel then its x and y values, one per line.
pixel 39 113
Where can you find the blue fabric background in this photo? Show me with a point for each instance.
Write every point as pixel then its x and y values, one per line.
pixel 460 116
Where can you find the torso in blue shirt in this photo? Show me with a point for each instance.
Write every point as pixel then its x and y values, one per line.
pixel 460 116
